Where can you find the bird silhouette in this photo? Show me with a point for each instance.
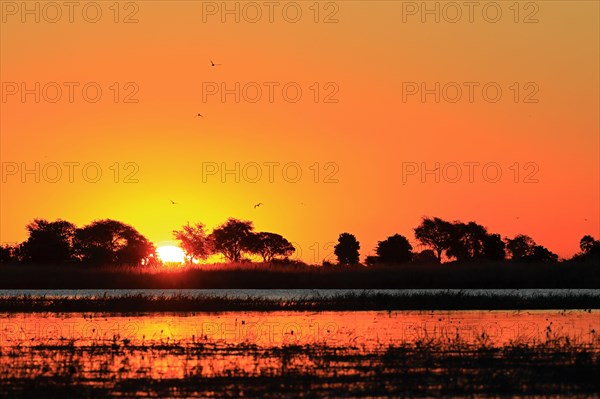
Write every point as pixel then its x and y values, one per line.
pixel 259 204
pixel 212 64
pixel 173 202
pixel 200 115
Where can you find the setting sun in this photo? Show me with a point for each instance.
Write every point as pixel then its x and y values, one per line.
pixel 171 254
pixel 213 198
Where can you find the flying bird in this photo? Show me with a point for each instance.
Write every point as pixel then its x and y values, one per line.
pixel 259 204
pixel 173 202
pixel 212 64
pixel 200 115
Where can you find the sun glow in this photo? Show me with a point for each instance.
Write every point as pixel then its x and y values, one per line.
pixel 170 254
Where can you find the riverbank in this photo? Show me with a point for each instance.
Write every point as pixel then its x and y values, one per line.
pixel 502 275
pixel 450 300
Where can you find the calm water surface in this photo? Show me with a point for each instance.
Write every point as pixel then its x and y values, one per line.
pixel 363 328
pixel 163 352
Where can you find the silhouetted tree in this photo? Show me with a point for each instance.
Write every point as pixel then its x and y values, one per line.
pixel 520 246
pixel 9 253
pixel 426 257
pixel 232 238
pixel 5 254
pixel 435 233
pixel 494 247
pixel 590 250
pixel 587 244
pixel 270 245
pixel 541 254
pixel 346 250
pixel 371 260
pixel 48 242
pixel 194 241
pixel 466 241
pixel 110 242
pixel 394 249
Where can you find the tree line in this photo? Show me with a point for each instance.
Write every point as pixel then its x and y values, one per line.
pixel 235 240
pixel 101 242
pixel 461 242
pixel 111 242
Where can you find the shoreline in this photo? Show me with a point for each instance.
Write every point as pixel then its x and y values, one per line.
pixel 140 303
pixel 568 275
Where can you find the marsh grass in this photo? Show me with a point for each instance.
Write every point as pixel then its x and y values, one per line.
pixel 365 300
pixel 425 368
pixel 302 276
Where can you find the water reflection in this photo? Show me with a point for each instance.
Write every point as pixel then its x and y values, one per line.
pixel 234 353
pixel 368 329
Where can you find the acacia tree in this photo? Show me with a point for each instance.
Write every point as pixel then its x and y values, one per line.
pixel 542 254
pixel 346 249
pixel 394 249
pixel 436 234
pixel 232 238
pixel 467 241
pixel 48 242
pixel 520 246
pixel 270 245
pixel 112 242
pixel 524 248
pixel 194 241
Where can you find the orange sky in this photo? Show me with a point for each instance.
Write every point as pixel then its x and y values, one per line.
pixel 368 134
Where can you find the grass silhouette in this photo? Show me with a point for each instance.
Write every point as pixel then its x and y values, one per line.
pixel 291 276
pixel 366 300
pixel 425 368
